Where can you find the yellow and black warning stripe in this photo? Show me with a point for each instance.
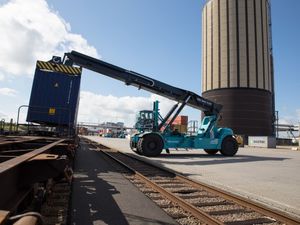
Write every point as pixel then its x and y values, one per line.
pixel 58 68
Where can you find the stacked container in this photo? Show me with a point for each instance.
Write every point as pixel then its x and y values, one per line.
pixel 180 124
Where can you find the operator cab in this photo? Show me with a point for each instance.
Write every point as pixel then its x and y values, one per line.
pixel 205 125
pixel 144 120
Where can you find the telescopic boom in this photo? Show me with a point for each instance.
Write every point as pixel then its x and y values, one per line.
pixel 143 82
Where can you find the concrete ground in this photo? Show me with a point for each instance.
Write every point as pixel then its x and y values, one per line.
pixel 100 195
pixel 269 176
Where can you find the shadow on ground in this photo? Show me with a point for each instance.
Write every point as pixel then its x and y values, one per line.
pixel 204 159
pixel 95 187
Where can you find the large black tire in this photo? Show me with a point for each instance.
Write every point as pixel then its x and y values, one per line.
pixel 139 149
pixel 211 151
pixel 133 147
pixel 150 145
pixel 229 146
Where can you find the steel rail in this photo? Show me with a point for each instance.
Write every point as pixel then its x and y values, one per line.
pixel 7 165
pixel 274 213
pixel 258 207
pixel 197 213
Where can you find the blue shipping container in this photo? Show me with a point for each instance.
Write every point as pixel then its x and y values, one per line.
pixel 54 96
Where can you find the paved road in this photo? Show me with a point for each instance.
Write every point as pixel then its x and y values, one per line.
pixel 102 196
pixel 270 176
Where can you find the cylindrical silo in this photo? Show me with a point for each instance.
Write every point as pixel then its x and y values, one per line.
pixel 237 64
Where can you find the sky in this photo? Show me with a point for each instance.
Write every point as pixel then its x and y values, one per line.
pixel 160 39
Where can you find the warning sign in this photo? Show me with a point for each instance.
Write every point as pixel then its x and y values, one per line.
pixel 51 111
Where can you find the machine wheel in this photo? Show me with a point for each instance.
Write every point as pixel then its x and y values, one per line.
pixel 139 148
pixel 229 146
pixel 131 145
pixel 211 151
pixel 150 145
pixel 134 147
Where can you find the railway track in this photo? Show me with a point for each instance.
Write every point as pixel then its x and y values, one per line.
pixel 190 202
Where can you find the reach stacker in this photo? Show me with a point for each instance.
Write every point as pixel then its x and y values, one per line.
pixel 154 130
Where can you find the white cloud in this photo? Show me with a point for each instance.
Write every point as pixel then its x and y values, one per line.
pixel 3 115
pixel 99 108
pixel 284 121
pixel 292 118
pixel 8 92
pixel 30 30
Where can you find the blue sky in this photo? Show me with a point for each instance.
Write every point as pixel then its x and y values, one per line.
pixel 157 38
pixel 161 39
